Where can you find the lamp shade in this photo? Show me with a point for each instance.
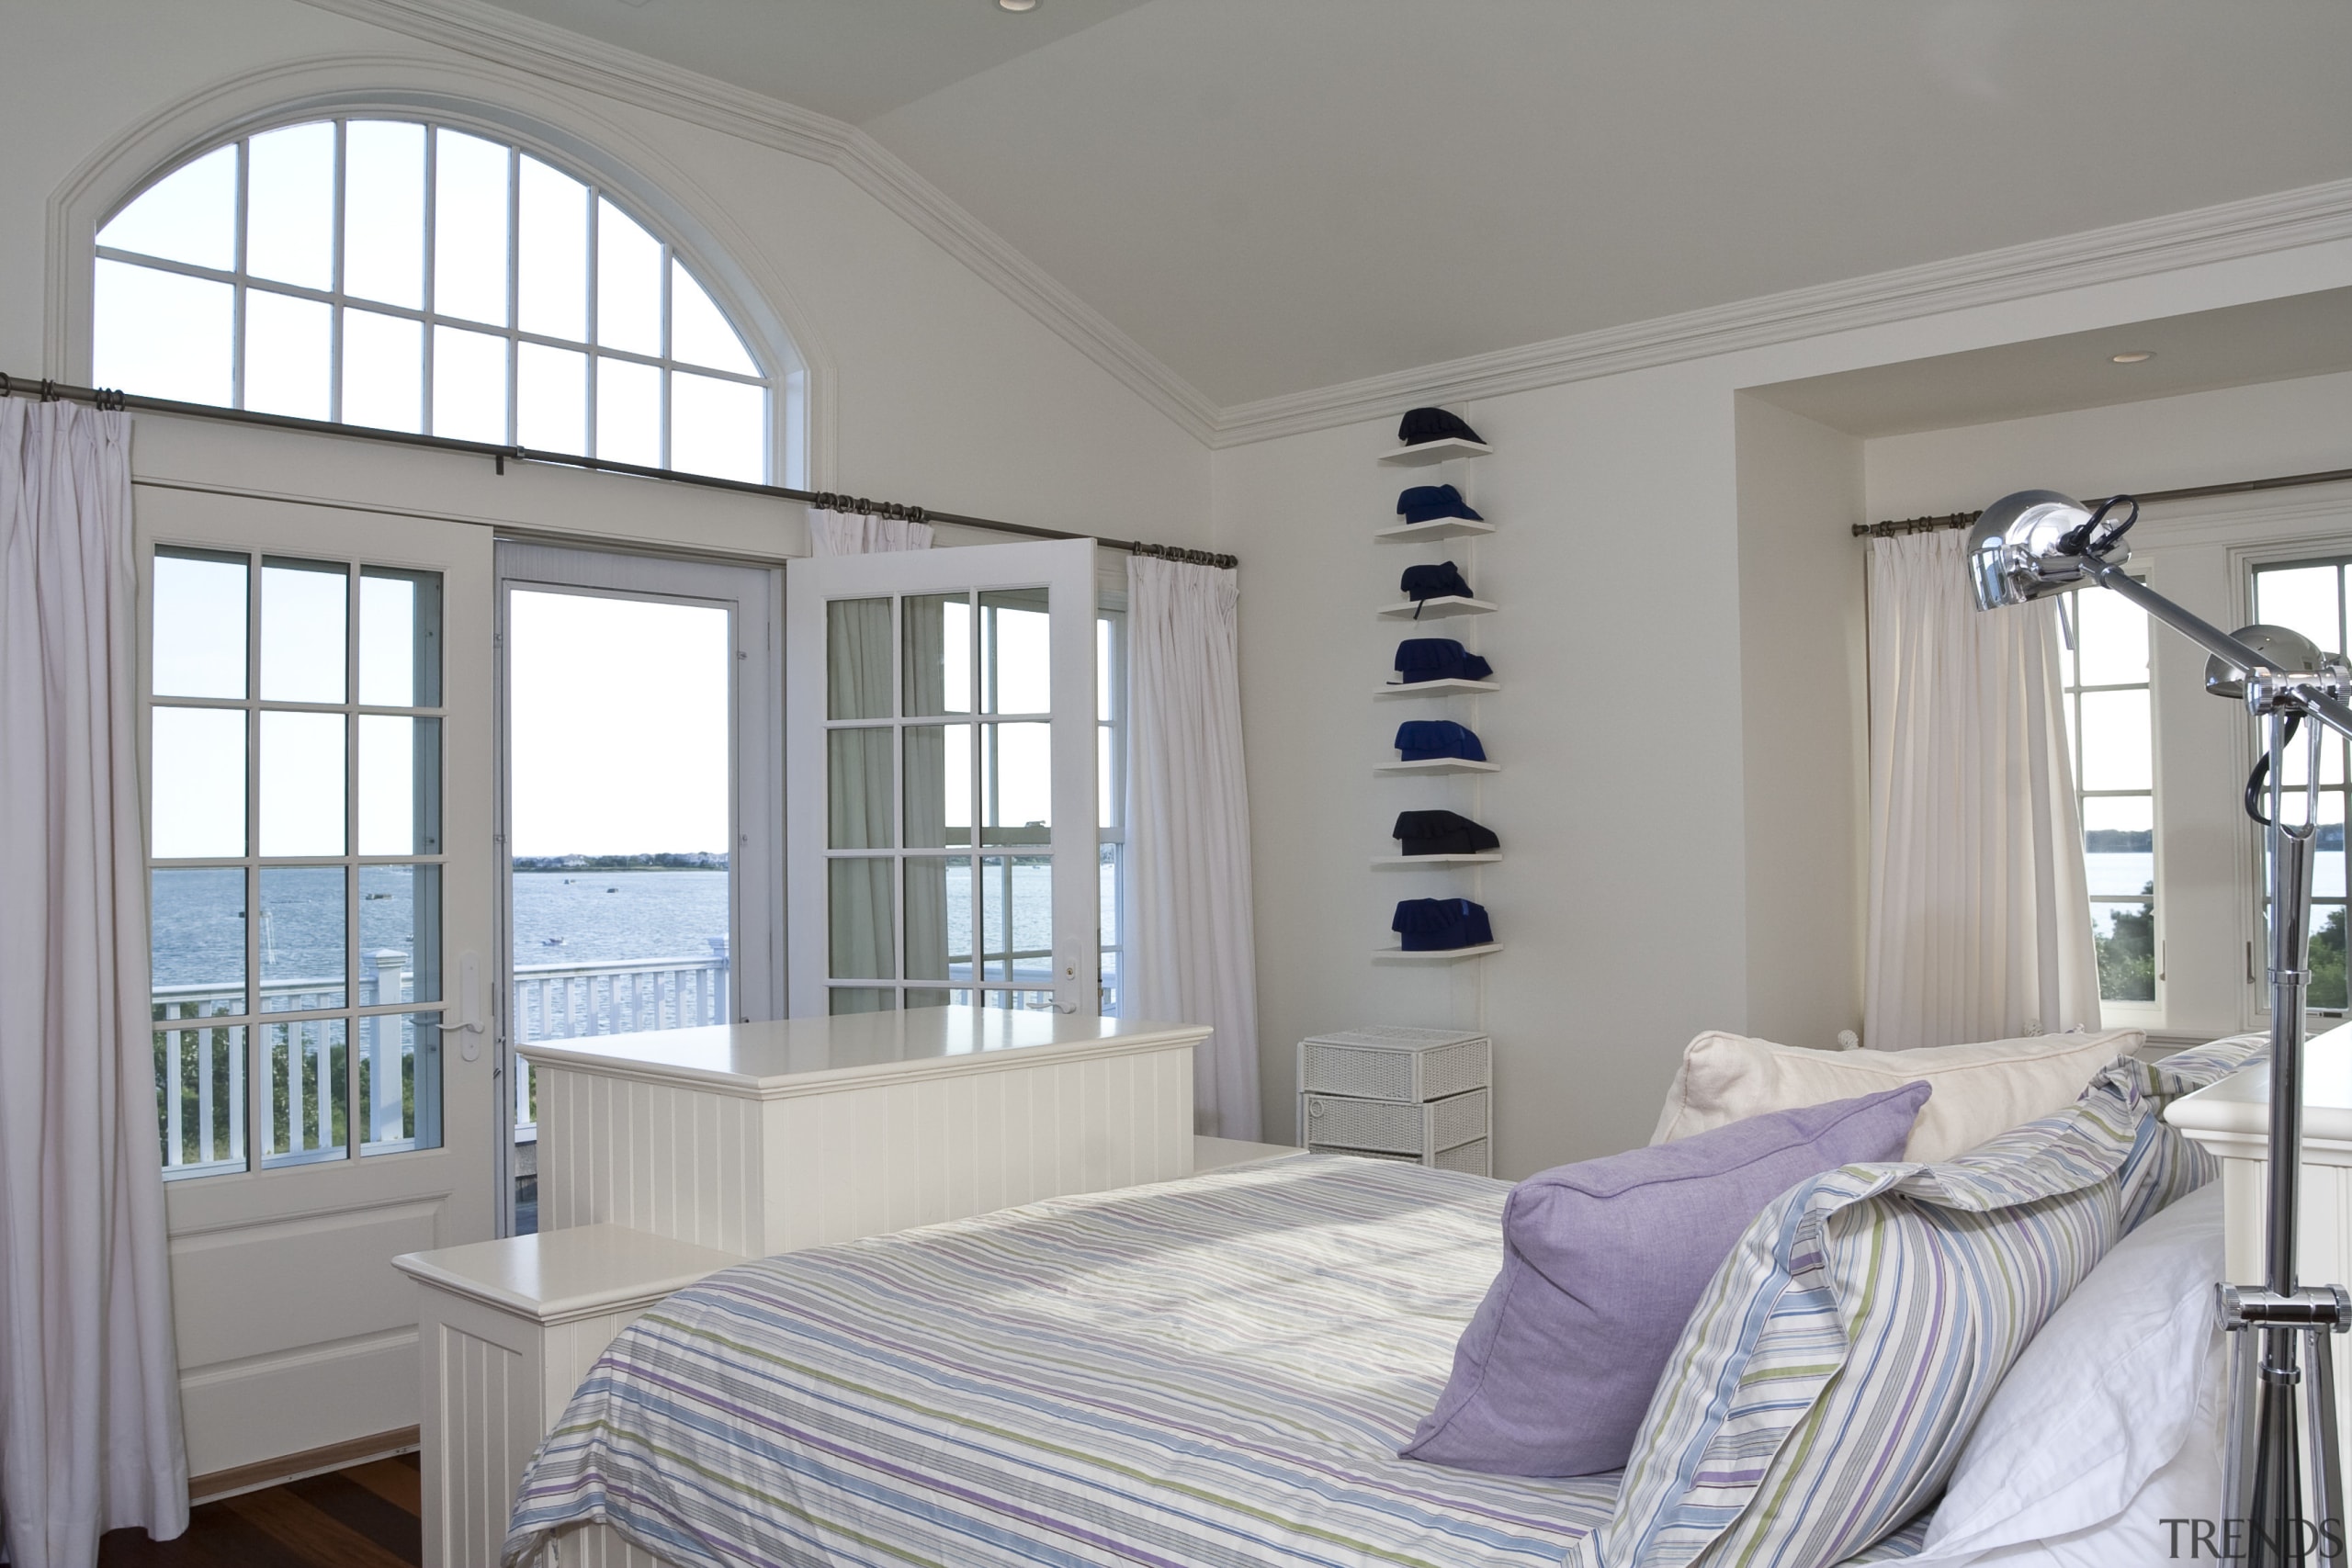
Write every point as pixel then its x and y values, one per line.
pixel 2284 653
pixel 2015 550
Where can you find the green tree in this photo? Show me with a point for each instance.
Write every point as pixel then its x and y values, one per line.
pixel 2127 955
pixel 2326 961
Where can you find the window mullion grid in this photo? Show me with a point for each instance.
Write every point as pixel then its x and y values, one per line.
pixel 432 291
pixel 258 1097
pixel 237 290
pixel 514 294
pixel 335 272
pixel 350 861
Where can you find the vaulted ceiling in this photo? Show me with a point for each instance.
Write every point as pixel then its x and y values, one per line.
pixel 1277 194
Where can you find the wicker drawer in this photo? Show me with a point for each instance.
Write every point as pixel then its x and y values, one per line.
pixel 1406 1065
pixel 1470 1158
pixel 1386 1126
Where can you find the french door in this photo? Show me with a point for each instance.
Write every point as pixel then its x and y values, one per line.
pixel 640 821
pixel 940 769
pixel 317 750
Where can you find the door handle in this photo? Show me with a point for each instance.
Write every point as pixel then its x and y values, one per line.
pixel 469 1021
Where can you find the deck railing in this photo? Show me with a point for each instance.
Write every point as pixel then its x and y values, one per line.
pixel 200 1063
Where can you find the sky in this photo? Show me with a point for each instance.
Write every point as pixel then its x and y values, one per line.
pixel 618 711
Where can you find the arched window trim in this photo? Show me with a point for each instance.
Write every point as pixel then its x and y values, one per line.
pixel 98 193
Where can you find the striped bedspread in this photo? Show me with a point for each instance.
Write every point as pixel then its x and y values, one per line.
pixel 1209 1372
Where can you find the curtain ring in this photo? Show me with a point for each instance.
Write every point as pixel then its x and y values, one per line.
pixel 48 390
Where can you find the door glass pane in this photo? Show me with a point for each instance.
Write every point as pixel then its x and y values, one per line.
pixel 2302 598
pixel 1016 783
pixel 383 370
pixel 2114 751
pixel 383 211
pixel 289 207
pixel 198 622
pixel 400 779
pixel 306 1103
pixel 629 283
pixel 938 654
pixel 2119 843
pixel 200 1097
pixel 2113 640
pixel 286 367
pixel 400 934
pixel 862 920
pixel 939 786
pixel 198 784
pixel 718 427
pixel 303 606
pixel 1017 918
pixel 1016 664
pixel 857 658
pixel 400 639
pixel 552 399
pixel 551 292
pixel 939 918
pixel 399 1082
pixel 196 922
pixel 301 780
pixel 189 215
pixel 468 386
pixel 468 227
pixel 300 937
pixel 629 411
pixel 858 789
pixel 859 998
pixel 160 333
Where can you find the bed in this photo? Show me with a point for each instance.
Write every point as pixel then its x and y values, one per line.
pixel 1208 1373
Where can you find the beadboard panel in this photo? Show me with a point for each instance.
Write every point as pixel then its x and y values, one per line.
pixel 887 1157
pixel 655 1159
pixel 480 1426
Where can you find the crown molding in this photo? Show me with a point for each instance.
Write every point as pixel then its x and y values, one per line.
pixel 471 27
pixel 2311 215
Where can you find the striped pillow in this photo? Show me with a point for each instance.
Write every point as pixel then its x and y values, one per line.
pixel 1825 1384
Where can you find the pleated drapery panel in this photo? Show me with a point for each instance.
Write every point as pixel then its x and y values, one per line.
pixel 90 1434
pixel 857 534
pixel 1188 830
pixel 1980 924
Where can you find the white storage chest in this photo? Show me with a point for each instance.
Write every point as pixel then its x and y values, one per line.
pixel 1422 1095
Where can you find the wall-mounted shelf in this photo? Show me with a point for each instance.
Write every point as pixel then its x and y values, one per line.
pixel 1436 528
pixel 1410 863
pixel 1444 607
pixel 1439 765
pixel 1442 956
pixel 1423 454
pixel 1447 686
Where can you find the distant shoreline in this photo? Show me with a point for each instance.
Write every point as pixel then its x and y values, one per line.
pixel 699 861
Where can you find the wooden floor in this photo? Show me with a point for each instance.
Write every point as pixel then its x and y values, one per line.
pixel 362 1518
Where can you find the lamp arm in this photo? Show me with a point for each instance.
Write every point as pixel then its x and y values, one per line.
pixel 2193 626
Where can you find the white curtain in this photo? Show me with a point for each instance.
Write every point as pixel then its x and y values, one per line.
pixel 860 534
pixel 90 1385
pixel 1980 914
pixel 1190 954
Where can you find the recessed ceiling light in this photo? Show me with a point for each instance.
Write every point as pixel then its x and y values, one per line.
pixel 2131 357
pixel 1017 5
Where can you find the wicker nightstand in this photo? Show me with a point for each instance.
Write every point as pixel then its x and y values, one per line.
pixel 1416 1095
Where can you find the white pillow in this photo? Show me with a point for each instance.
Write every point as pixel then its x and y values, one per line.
pixel 2110 1423
pixel 1981 1089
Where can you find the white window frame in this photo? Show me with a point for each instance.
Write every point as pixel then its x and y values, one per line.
pixel 778 383
pixel 2254 562
pixel 2116 1012
pixel 1111 611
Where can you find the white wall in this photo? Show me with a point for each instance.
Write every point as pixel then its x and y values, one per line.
pixel 1671 562
pixel 939 390
pixel 1804 708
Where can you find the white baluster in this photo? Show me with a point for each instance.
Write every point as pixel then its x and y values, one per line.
pixel 169 1088
pixel 203 1043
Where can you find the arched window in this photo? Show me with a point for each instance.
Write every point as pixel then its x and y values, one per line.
pixel 412 276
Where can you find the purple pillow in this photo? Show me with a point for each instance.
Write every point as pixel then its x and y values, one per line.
pixel 1603 1263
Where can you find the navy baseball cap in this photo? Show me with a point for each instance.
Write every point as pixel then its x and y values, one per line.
pixel 1422 426
pixel 1435 925
pixel 1425 503
pixel 1427 739
pixel 1438 658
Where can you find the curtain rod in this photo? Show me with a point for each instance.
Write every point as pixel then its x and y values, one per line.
pixel 2242 487
pixel 50 391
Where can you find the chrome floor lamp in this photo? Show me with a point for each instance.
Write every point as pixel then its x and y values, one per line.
pixel 2036 543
